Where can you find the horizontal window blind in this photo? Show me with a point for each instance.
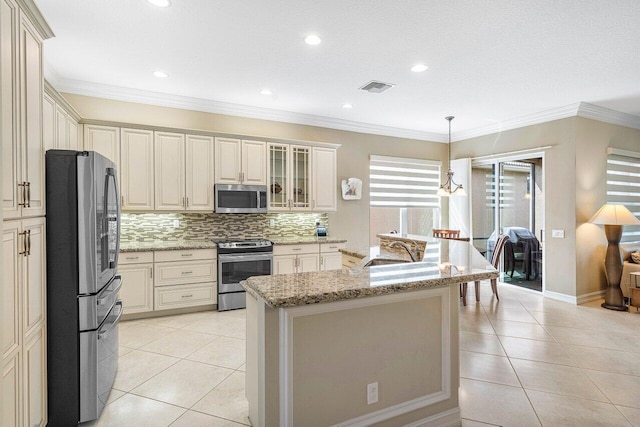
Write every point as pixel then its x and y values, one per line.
pixel 403 183
pixel 623 188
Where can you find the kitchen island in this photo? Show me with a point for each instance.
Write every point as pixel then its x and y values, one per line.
pixel 359 347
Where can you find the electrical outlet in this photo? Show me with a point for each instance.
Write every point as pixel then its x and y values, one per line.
pixel 559 234
pixel 176 223
pixel 372 393
pixel 272 222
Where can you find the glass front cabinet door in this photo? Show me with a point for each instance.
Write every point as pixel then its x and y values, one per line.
pixel 289 177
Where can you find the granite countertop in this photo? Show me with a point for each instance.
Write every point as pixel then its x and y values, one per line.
pixel 169 245
pixel 166 245
pixel 460 262
pixel 304 240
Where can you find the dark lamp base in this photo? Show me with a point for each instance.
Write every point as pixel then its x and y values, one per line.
pixel 615 307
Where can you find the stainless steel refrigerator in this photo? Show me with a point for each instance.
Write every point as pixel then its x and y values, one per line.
pixel 83 309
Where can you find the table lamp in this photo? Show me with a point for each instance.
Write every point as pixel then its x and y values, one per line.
pixel 613 217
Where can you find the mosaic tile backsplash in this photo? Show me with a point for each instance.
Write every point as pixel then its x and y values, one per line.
pixel 148 227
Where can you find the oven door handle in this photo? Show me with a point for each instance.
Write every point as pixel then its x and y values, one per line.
pixel 248 257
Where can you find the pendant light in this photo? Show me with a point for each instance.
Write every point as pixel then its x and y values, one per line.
pixel 449 188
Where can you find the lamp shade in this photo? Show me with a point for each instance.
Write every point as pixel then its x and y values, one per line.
pixel 614 215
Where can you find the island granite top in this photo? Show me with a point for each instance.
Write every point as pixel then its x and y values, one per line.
pixel 459 262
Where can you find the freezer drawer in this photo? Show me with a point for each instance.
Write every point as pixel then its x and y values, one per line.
pixel 98 365
pixel 93 309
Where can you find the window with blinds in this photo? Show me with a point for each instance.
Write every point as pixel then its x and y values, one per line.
pixel 623 187
pixel 403 183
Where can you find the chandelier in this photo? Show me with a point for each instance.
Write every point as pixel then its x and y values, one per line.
pixel 449 188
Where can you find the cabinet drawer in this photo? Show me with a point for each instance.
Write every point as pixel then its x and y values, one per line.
pixel 134 257
pixel 331 247
pixel 349 261
pixel 185 255
pixel 184 296
pixel 178 273
pixel 310 248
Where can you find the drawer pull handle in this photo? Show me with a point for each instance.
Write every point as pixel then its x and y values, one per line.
pixel 187 272
pixel 186 255
pixel 187 296
pixel 132 257
pixel 333 247
pixel 296 249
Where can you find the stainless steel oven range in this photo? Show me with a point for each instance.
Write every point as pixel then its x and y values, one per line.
pixel 239 259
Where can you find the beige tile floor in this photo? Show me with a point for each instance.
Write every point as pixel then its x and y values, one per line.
pixel 524 361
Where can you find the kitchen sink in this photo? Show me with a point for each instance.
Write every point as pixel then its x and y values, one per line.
pixel 385 261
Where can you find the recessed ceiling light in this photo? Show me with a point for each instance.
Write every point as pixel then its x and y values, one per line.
pixel 160 3
pixel 160 74
pixel 347 106
pixel 266 92
pixel 418 68
pixel 312 40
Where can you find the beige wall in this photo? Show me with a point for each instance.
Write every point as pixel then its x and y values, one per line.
pixel 575 188
pixel 351 221
pixel 592 140
pixel 560 168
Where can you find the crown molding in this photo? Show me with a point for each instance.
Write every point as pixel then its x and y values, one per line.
pixel 35 16
pixel 607 115
pixel 59 99
pixel 558 113
pixel 198 104
pixel 579 109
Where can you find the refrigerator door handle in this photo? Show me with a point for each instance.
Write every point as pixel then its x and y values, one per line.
pixel 103 332
pixel 104 300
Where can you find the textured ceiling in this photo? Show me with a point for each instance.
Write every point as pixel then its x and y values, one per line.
pixel 489 61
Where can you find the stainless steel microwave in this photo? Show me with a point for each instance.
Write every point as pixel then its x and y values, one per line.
pixel 235 198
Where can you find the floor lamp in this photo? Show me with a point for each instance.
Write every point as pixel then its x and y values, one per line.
pixel 613 217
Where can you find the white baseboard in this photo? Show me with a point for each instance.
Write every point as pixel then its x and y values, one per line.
pixel 591 296
pixel 561 297
pixel 580 299
pixel 450 418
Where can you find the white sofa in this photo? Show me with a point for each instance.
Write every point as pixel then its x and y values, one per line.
pixel 628 265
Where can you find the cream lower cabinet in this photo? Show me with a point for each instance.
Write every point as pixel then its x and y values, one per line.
pixel 185 278
pixel 307 257
pixel 162 280
pixel 24 382
pixel 330 257
pixel 136 269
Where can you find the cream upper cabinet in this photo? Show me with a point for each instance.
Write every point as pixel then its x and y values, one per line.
pixel 227 159
pixel 324 179
pixel 62 135
pixel 11 175
pixel 240 161
pixel 136 170
pixel 104 140
pixel 73 134
pixel 22 142
pixel 199 172
pixel 169 171
pixel 289 177
pixel 49 122
pixel 254 162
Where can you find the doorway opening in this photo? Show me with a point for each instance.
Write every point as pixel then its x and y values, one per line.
pixel 508 197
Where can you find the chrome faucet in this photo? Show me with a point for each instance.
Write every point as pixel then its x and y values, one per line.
pixel 413 253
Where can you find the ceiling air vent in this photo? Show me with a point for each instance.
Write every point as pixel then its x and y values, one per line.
pixel 377 87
